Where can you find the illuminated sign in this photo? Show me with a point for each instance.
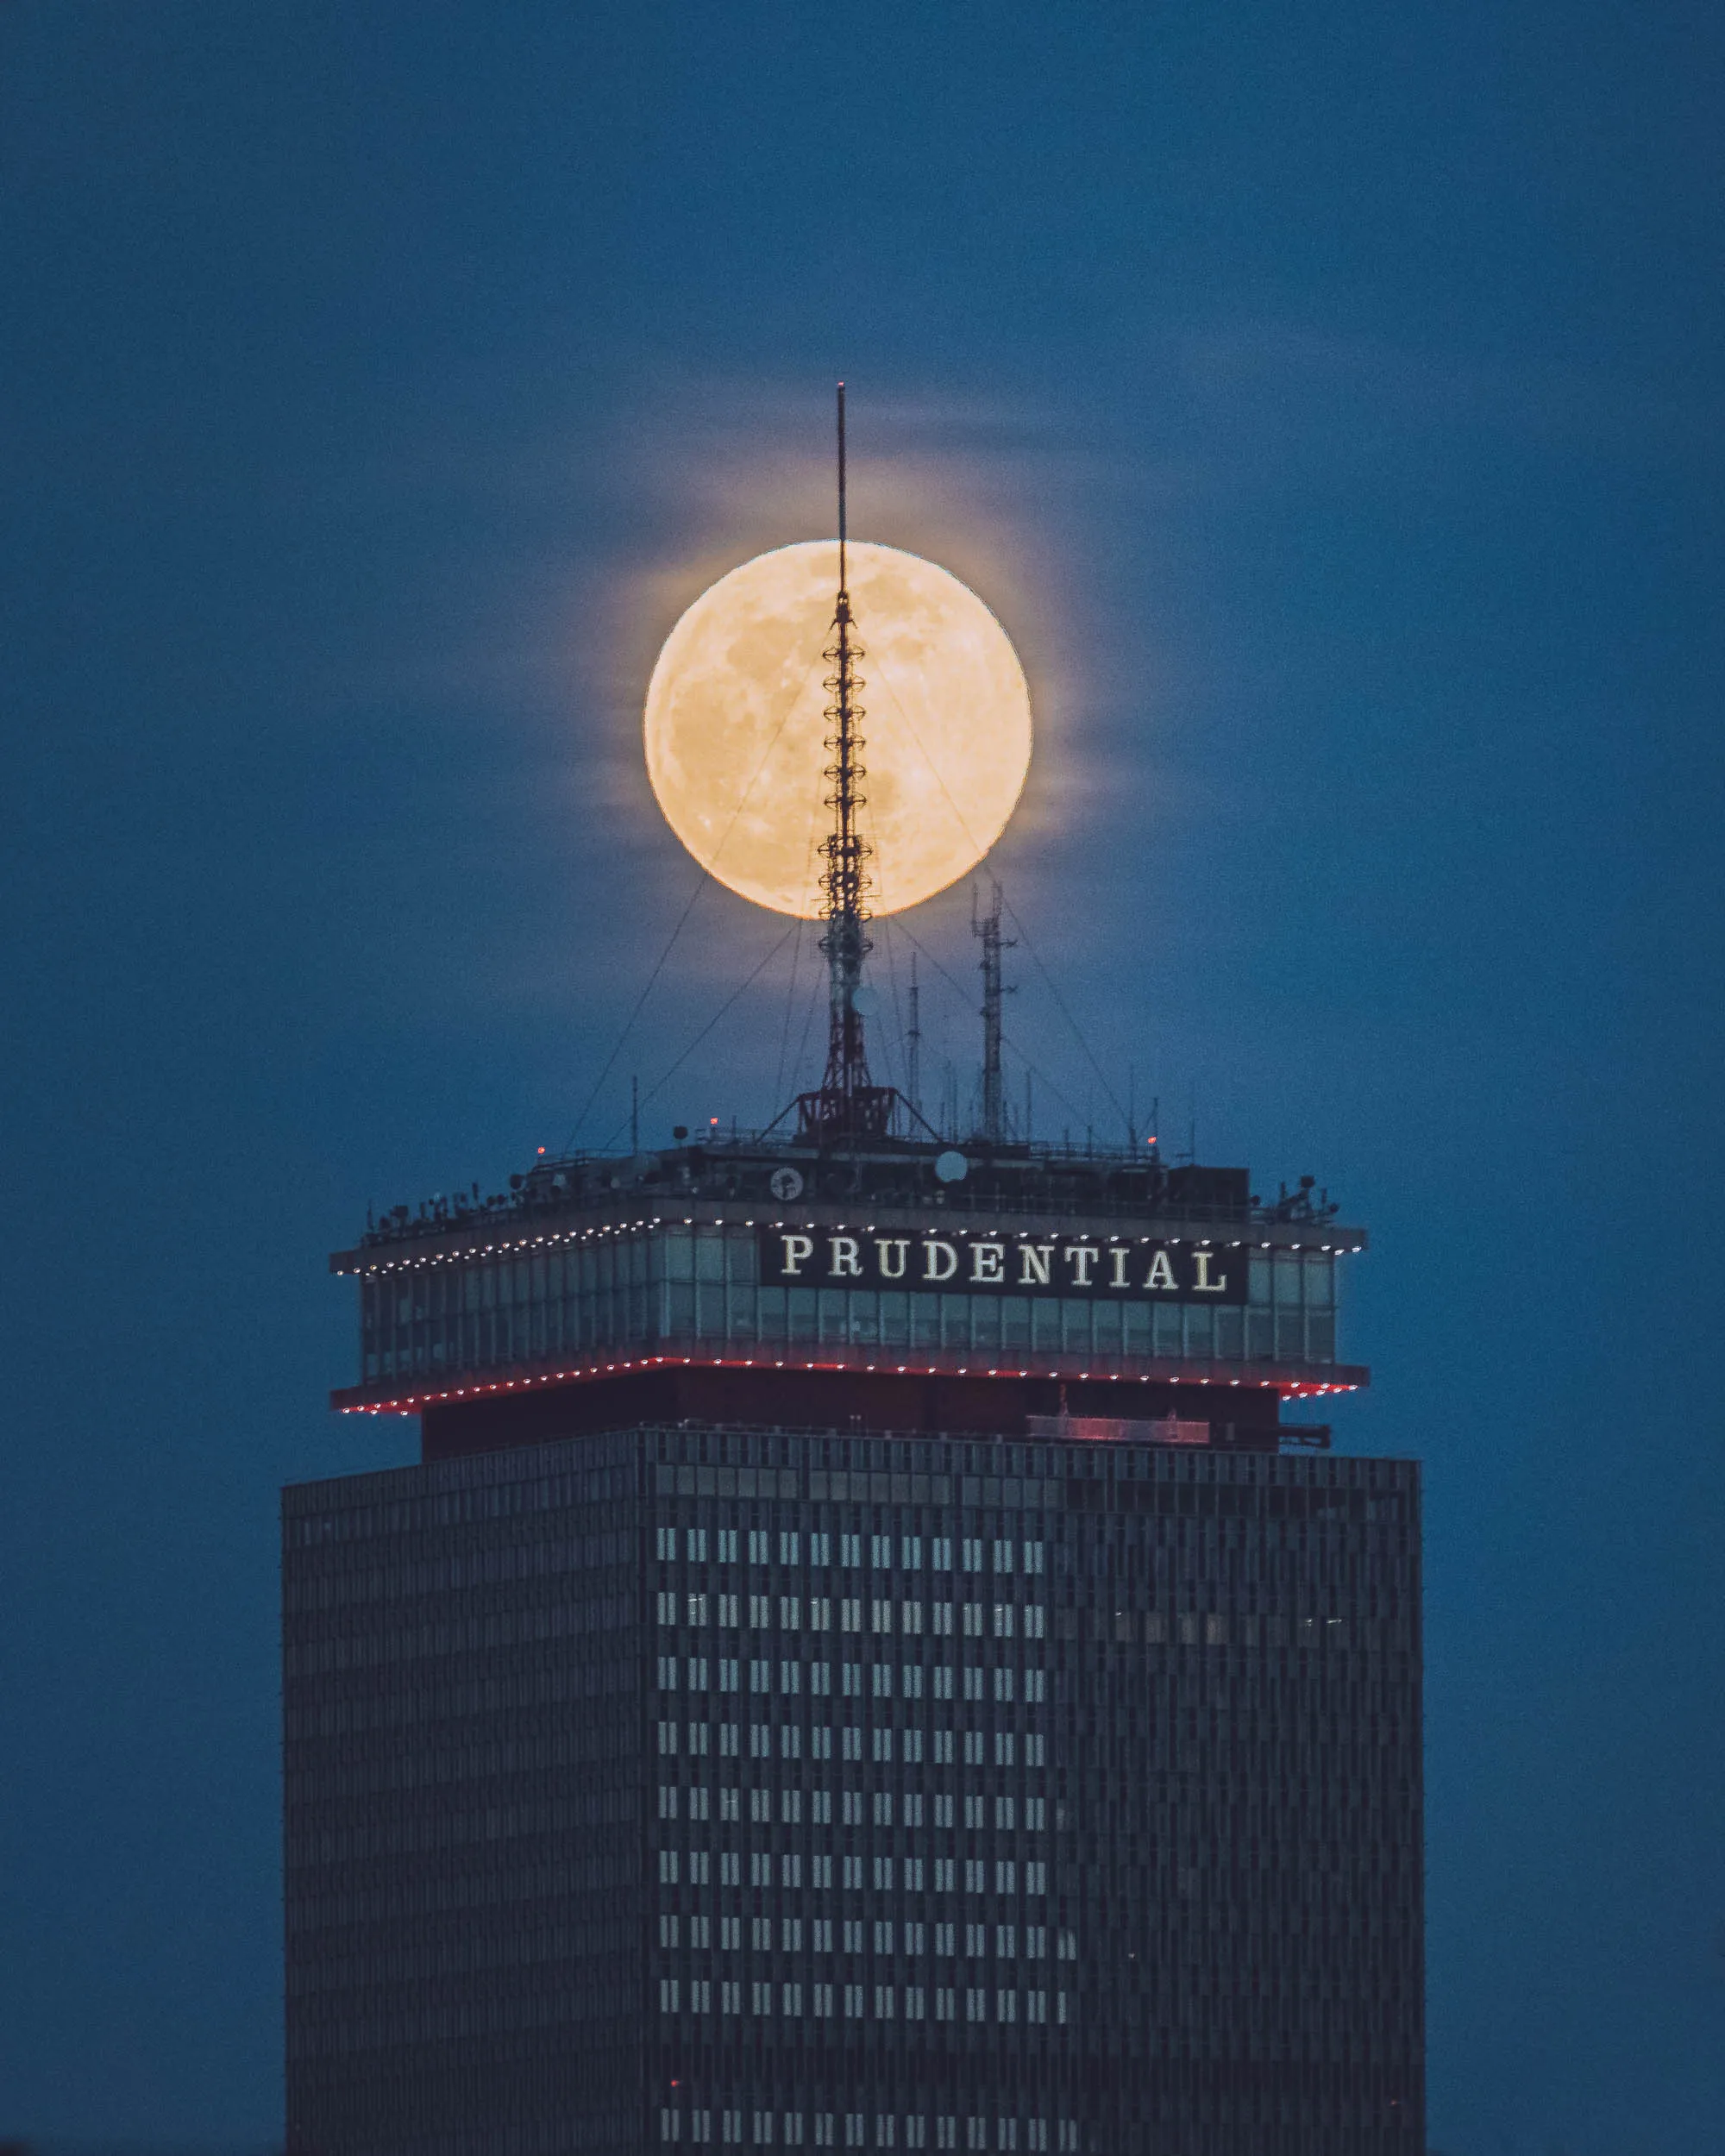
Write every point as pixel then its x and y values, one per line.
pixel 1025 1264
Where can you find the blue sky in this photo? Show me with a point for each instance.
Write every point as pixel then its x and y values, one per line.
pixel 1329 401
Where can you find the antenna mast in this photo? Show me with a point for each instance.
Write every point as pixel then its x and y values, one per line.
pixel 988 927
pixel 847 1105
pixel 913 1045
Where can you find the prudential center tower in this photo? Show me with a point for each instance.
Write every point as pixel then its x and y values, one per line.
pixel 877 1652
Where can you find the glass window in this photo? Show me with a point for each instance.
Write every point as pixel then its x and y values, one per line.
pixel 1074 1325
pixel 709 1254
pixel 1014 1321
pixel 1257 1278
pixel 895 1319
pixel 1321 1281
pixel 925 1320
pixel 1200 1330
pixel 1286 1280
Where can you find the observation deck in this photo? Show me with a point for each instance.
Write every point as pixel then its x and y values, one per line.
pixel 899 1284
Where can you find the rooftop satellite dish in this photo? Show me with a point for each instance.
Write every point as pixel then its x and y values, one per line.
pixel 951 1168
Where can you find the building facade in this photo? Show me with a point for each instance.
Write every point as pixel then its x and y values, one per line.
pixel 875 1675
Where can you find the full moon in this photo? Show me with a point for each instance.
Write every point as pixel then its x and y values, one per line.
pixel 736 726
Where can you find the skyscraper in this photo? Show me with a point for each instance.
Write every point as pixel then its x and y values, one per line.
pixel 857 1671
pixel 863 1663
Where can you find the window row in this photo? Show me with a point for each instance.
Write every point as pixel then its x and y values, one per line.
pixel 431 1341
pixel 852 1808
pixel 849 2129
pixel 915 1875
pixel 1214 1628
pixel 696 1673
pixel 859 2001
pixel 713 1257
pixel 973 1553
pixel 876 1613
pixel 885 1936
pixel 1036 1487
pixel 944 1747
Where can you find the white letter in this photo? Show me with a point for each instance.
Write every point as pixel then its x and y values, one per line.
pixel 890 1272
pixel 931 1270
pixel 846 1258
pixel 1116 1258
pixel 988 1261
pixel 1081 1256
pixel 1035 1260
pixel 797 1248
pixel 1204 1284
pixel 1162 1273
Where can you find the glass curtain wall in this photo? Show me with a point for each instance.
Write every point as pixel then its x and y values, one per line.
pixel 703 1284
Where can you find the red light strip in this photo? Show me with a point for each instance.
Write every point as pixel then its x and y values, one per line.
pixel 413 1403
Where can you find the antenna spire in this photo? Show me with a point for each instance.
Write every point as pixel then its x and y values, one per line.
pixel 848 1104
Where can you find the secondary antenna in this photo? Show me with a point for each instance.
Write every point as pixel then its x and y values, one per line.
pixel 988 927
pixel 913 1045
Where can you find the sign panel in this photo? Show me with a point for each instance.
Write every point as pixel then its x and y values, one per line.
pixel 933 1260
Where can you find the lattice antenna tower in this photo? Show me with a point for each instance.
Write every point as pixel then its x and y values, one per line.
pixel 987 927
pixel 847 1105
pixel 844 881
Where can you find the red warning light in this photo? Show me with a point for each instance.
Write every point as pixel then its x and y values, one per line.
pixel 542 1148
